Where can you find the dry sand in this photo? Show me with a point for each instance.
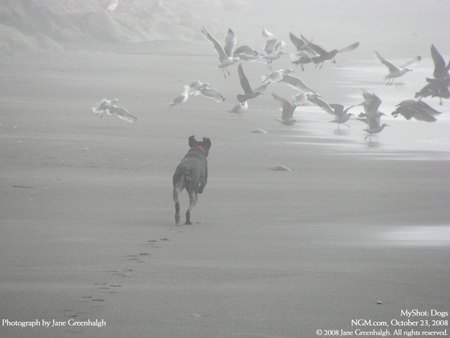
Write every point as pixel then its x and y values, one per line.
pixel 356 230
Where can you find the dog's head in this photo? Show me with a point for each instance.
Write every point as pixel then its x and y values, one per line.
pixel 203 145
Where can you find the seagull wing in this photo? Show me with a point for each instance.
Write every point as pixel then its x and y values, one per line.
pixel 392 68
pixel 218 47
pixel 427 110
pixel 244 81
pixel 287 108
pixel 317 100
pixel 245 49
pixel 270 45
pixel 412 62
pixel 230 43
pixel 296 83
pixel 440 69
pixel 297 42
pixel 349 48
pixel 268 35
pixel 372 102
pixel 338 109
pixel 212 93
pixel 316 48
pixel 123 114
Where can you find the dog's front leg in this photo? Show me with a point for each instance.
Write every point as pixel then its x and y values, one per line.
pixel 192 201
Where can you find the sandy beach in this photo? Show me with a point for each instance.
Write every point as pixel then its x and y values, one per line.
pixel 357 229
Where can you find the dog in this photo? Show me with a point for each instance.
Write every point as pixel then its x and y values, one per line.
pixel 192 174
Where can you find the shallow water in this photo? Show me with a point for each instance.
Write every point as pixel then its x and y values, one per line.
pixel 403 139
pixel 419 235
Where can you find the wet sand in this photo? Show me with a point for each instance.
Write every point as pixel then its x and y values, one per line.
pixel 355 230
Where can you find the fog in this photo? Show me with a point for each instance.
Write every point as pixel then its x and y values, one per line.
pixel 395 27
pixel 302 228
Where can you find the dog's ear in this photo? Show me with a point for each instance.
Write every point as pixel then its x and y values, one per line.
pixel 206 143
pixel 192 141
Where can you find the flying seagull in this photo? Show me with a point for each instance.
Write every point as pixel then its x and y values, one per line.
pixel 394 71
pixel 224 52
pixel 110 107
pixel 341 115
pixel 372 115
pixel 324 55
pixel 438 86
pixel 415 109
pixel 287 110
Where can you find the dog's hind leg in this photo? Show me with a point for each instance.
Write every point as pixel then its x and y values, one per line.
pixel 176 194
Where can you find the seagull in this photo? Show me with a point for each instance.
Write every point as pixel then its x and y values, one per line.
pixel 224 52
pixel 303 53
pixel 182 98
pixel 287 110
pixel 438 86
pixel 249 93
pixel 371 115
pixel 341 115
pixel 394 71
pixel 434 88
pixel 416 109
pixel 111 108
pixel 273 48
pixel 371 105
pixel 324 55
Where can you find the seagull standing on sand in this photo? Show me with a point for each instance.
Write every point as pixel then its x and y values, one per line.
pixel 224 52
pixel 415 109
pixel 438 86
pixel 394 71
pixel 182 98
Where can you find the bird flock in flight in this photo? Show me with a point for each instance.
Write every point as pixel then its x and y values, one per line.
pixel 306 52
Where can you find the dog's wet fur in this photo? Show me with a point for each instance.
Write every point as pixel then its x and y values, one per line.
pixel 192 174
